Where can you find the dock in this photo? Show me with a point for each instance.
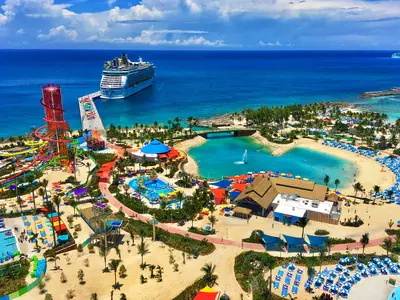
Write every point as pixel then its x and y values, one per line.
pixel 92 121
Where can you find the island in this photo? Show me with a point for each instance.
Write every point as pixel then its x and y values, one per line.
pixel 374 94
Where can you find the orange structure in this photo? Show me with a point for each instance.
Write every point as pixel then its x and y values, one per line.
pixel 56 126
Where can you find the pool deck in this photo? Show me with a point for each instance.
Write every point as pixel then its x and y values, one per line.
pixel 375 287
pixel 12 223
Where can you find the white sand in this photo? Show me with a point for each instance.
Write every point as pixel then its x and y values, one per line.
pixel 191 166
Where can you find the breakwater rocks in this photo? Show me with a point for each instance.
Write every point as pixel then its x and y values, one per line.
pixel 215 121
pixel 390 92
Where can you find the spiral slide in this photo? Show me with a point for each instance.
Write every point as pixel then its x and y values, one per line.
pixel 34 146
pixel 39 158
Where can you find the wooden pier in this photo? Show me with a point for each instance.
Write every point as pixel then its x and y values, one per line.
pixel 93 123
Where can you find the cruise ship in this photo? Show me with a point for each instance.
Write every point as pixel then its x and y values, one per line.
pixel 123 78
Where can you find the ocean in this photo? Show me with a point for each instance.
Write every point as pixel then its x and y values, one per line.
pixel 192 83
pixel 216 158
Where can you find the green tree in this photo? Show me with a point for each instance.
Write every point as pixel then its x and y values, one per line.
pixel 357 188
pixel 326 179
pixel 387 245
pixel 48 297
pixel 209 277
pixel 54 257
pixel 142 249
pixel 212 220
pixel 93 296
pixel 122 297
pixel 364 241
pixel 81 276
pixel 302 224
pixel 336 182
pixel 122 271
pixel 390 224
pixel 322 254
pixel 113 266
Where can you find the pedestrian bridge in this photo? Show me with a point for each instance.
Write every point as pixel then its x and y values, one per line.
pixel 223 133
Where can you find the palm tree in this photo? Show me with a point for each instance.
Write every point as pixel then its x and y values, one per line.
pixel 270 263
pixel 390 224
pixel 357 188
pixel 41 193
pixel 212 220
pixel 103 252
pixel 209 277
pixel 322 254
pixel 326 179
pixel 53 255
pixel 74 204
pixel 336 182
pixel 122 297
pixel 377 189
pixel 131 232
pixel 388 245
pixel 179 197
pixel 19 202
pixel 57 202
pixel 45 182
pixel 142 249
pixel 113 265
pixel 329 244
pixel 364 241
pixel 302 223
pixel 31 179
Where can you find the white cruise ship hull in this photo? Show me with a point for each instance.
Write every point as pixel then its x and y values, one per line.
pixel 124 92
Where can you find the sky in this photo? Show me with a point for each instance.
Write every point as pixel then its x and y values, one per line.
pixel 200 24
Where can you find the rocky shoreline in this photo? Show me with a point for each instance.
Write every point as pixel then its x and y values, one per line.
pixel 215 121
pixel 374 94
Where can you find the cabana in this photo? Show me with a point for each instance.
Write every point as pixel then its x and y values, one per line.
pixel 223 184
pixel 317 241
pixel 155 147
pixel 242 212
pixel 81 193
pixel 272 243
pixel 294 244
pixel 219 195
pixel 207 294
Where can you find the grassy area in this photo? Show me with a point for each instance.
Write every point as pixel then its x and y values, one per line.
pixel 190 292
pixel 102 158
pixel 254 238
pixel 201 231
pixel 176 241
pixel 12 281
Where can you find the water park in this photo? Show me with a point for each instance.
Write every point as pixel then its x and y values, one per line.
pixel 176 195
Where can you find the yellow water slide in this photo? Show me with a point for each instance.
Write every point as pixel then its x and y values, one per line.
pixel 34 146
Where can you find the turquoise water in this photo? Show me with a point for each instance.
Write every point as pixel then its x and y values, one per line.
pixel 216 158
pixel 7 243
pixel 154 188
pixel 388 105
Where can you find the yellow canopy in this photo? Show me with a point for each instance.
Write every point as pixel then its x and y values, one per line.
pixel 205 209
pixel 207 289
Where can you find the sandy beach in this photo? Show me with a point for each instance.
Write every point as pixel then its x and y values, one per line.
pixel 191 166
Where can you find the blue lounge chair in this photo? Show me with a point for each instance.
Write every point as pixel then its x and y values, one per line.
pixel 276 284
pixel 285 290
pixel 295 289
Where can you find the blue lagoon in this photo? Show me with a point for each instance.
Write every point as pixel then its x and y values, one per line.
pixel 217 157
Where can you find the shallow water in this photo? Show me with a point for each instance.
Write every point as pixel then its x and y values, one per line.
pixel 217 157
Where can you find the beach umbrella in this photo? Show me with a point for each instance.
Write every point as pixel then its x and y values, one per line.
pixel 357 276
pixel 342 261
pixel 387 260
pixel 376 260
pixel 361 266
pixel 297 177
pixel 339 267
pixel 342 277
pixel 262 172
pixel 344 293
pixel 347 285
pixel 330 280
pixel 289 175
pixel 283 174
pixel 333 273
pixel 370 264
pixel 374 271
pixel 365 273
pixel 346 271
pixel 334 290
pixel 351 279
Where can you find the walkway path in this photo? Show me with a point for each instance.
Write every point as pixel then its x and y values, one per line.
pixel 218 241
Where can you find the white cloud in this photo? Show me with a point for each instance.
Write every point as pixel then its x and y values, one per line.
pixel 59 33
pixel 270 44
pixel 177 31
pixel 21 31
pixel 158 37
pixel 193 6
pixel 111 2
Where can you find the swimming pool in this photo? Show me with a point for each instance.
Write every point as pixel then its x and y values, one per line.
pixel 154 187
pixel 8 242
pixel 395 294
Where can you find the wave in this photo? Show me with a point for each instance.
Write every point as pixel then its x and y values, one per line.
pixel 396 55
